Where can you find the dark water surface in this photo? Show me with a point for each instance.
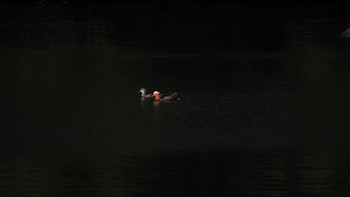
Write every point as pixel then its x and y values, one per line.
pixel 264 111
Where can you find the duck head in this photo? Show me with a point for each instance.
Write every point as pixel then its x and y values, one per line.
pixel 143 91
pixel 144 94
pixel 157 96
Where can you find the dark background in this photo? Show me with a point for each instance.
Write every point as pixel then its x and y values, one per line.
pixel 265 90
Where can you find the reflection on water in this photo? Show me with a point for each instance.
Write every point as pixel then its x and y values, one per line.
pixel 224 173
pixel 261 114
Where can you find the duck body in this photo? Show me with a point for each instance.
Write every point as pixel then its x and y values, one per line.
pixel 346 33
pixel 160 97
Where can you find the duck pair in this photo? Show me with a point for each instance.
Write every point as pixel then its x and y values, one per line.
pixel 159 96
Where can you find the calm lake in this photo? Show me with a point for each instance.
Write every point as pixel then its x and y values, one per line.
pixel 264 111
